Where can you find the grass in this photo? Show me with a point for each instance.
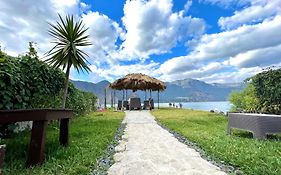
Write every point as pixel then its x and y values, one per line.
pixel 208 131
pixel 89 136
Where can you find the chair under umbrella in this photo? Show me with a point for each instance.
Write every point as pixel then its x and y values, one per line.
pixel 138 81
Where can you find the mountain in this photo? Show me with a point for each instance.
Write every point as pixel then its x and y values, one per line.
pixel 196 90
pixel 177 91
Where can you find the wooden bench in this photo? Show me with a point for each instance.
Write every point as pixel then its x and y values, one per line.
pixel 40 118
pixel 259 124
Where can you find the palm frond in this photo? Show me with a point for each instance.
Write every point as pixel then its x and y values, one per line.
pixel 68 37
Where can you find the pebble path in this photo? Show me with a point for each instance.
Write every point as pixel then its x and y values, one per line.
pixel 148 149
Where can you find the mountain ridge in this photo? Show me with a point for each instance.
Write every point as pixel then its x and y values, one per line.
pixel 186 90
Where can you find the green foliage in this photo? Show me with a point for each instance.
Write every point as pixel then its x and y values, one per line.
pixel 245 100
pixel 68 35
pixel 32 51
pixel 89 137
pixel 268 89
pixel 208 131
pixel 29 83
pixel 2 55
pixel 81 102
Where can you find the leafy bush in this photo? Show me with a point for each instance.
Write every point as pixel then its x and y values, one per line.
pixel 263 93
pixel 29 83
pixel 268 89
pixel 245 100
pixel 81 102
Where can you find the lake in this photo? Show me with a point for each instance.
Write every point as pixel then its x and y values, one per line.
pixel 223 106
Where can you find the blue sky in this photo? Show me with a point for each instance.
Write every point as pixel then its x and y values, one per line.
pixel 210 40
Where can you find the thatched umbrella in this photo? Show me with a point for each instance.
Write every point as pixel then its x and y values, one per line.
pixel 138 81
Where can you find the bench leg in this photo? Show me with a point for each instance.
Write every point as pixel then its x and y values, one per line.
pixel 64 131
pixel 228 130
pixel 37 143
pixel 257 135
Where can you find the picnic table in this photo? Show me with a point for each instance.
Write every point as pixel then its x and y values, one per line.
pixel 40 118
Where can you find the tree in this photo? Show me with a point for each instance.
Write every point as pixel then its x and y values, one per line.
pixel 245 100
pixel 68 36
pixel 32 53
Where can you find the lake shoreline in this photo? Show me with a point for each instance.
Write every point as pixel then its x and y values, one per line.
pixel 218 106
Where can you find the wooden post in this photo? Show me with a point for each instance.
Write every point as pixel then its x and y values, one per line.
pixel 111 96
pixel 158 99
pixel 126 94
pixel 145 95
pixel 64 131
pixel 104 98
pixel 37 143
pixel 114 94
pixel 150 93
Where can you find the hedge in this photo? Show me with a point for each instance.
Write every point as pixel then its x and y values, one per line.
pixel 27 82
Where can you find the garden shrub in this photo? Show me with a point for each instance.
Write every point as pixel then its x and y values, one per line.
pixel 268 89
pixel 245 100
pixel 27 82
pixel 263 93
pixel 80 101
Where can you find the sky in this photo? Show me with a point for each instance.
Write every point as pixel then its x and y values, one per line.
pixel 216 41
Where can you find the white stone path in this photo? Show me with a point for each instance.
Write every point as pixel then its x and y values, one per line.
pixel 148 149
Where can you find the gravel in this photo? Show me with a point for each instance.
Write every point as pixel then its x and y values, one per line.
pixel 106 160
pixel 226 168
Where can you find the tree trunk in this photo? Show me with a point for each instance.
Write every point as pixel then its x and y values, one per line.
pixel 66 86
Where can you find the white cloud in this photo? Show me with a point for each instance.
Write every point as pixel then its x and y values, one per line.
pixel 231 43
pixel 231 77
pixel 195 71
pixel 24 21
pixel 104 33
pixel 246 47
pixel 152 27
pixel 260 57
pixel 252 14
pixel 112 72
pixel 187 5
pixel 252 40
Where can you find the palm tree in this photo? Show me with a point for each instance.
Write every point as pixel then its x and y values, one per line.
pixel 68 36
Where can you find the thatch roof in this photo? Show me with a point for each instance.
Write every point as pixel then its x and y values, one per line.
pixel 138 81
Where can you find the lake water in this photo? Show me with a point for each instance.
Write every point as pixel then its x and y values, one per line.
pixel 223 106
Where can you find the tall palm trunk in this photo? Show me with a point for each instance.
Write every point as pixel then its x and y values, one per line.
pixel 66 86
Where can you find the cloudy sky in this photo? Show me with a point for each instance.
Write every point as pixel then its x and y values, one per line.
pixel 211 40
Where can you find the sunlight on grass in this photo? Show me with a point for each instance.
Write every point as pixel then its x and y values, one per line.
pixel 208 130
pixel 89 136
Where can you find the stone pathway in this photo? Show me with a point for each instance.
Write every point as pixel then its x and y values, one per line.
pixel 148 149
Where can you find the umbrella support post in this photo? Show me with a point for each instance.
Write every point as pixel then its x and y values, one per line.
pixel 158 99
pixel 145 95
pixel 104 98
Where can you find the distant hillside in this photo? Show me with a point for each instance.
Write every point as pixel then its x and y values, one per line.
pixel 195 90
pixel 177 91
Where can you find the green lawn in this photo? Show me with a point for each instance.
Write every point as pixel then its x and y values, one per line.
pixel 89 137
pixel 208 130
